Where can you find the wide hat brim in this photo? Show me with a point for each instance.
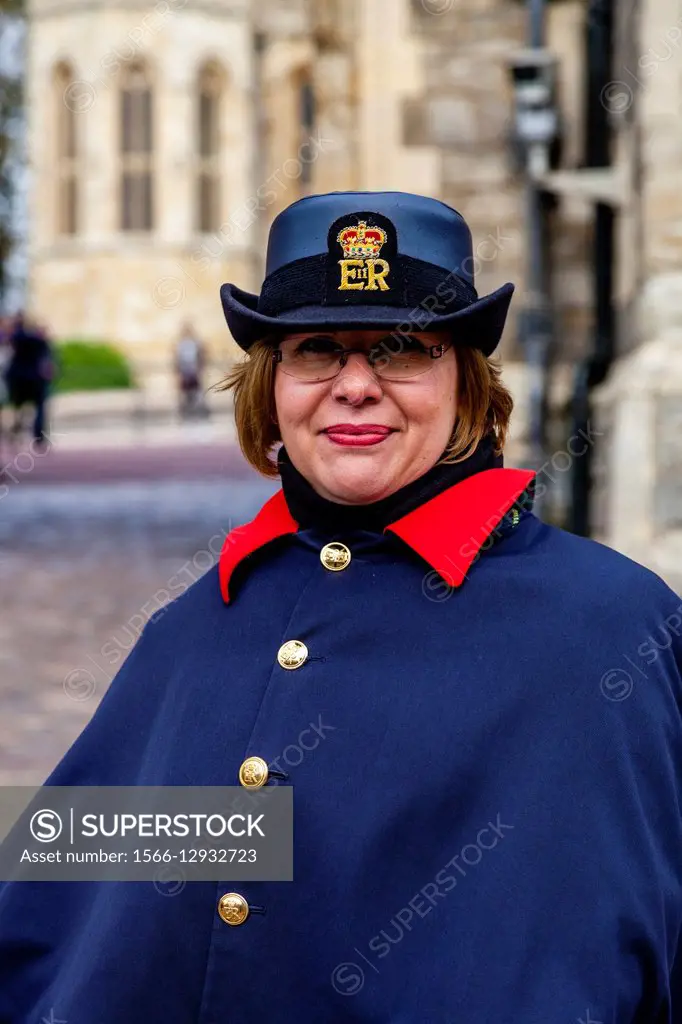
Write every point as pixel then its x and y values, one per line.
pixel 479 325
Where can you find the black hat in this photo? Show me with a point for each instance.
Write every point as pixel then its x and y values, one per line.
pixel 369 260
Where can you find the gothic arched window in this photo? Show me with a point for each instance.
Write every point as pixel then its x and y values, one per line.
pixel 208 104
pixel 66 151
pixel 136 149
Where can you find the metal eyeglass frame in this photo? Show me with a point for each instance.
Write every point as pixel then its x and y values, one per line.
pixel 435 352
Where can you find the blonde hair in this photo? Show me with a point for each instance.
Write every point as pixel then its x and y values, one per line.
pixel 484 405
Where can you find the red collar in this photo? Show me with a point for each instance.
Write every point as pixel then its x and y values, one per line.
pixel 448 531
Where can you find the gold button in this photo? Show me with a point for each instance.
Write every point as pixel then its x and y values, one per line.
pixel 233 908
pixel 292 654
pixel 253 773
pixel 335 556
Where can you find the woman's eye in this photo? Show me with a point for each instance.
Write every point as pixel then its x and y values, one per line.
pixel 317 345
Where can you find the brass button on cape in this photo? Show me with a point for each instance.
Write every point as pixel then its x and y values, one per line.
pixel 335 556
pixel 233 908
pixel 292 654
pixel 253 773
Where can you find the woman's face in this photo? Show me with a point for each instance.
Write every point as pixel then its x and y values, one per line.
pixel 413 417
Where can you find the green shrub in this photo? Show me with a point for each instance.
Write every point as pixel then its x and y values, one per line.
pixel 90 366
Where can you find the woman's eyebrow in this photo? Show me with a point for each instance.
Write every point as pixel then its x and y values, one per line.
pixel 313 337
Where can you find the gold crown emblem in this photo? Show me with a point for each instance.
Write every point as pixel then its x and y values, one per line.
pixel 361 242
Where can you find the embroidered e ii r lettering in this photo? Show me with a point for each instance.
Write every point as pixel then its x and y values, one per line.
pixel 361 270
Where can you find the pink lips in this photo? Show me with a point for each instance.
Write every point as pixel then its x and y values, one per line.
pixel 358 434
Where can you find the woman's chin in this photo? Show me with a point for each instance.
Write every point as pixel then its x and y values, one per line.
pixel 355 485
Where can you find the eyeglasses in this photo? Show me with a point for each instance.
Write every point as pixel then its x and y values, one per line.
pixel 321 358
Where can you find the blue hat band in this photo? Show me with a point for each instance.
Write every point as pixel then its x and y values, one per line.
pixel 304 282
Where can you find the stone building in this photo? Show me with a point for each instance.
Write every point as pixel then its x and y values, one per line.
pixel 165 138
pixel 641 402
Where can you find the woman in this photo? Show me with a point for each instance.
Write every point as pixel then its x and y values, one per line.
pixel 482 830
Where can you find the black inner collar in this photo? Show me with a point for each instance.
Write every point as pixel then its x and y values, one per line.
pixel 310 509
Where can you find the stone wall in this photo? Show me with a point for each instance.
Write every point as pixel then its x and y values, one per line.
pixel 640 404
pixel 465 112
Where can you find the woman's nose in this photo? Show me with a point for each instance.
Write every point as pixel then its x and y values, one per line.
pixel 356 382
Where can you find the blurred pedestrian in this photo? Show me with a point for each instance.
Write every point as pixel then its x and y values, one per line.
pixel 6 326
pixel 28 375
pixel 190 360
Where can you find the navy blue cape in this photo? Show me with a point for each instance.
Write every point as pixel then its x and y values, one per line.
pixel 485 745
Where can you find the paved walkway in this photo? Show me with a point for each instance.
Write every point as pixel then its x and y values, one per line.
pixel 88 537
pixel 157 461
